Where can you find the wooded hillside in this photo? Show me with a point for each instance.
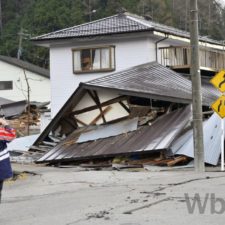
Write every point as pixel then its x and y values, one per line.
pixel 22 19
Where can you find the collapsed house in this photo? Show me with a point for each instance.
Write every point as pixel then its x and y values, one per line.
pixel 138 114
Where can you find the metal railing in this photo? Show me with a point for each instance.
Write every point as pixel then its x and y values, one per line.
pixel 179 57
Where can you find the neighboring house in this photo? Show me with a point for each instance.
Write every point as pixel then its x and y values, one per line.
pixel 13 85
pixel 92 50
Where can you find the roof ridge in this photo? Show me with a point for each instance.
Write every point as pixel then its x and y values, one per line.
pixel 134 15
pixel 151 22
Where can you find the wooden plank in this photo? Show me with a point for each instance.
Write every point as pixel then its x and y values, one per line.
pixel 99 106
pixel 118 120
pixel 80 122
pixel 106 103
pixel 177 160
pixel 96 119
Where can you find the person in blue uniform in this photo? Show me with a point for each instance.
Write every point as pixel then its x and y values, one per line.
pixel 7 134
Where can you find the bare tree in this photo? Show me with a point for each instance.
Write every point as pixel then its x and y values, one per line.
pixel 28 102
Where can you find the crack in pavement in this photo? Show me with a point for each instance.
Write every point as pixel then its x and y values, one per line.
pixel 167 198
pixel 183 182
pixel 146 206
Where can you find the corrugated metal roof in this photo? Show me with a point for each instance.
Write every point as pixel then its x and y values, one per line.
pixel 156 81
pixel 26 65
pixel 120 23
pixel 212 141
pixel 147 138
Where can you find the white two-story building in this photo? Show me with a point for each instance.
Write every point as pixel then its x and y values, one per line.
pixel 95 49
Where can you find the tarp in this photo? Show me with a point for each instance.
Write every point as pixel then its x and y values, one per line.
pixel 23 143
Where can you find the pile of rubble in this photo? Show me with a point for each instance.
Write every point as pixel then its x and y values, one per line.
pixel 21 116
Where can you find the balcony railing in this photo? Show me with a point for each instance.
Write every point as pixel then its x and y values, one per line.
pixel 178 57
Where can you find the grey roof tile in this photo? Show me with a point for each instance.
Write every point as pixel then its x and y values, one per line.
pixel 110 25
pixel 155 80
pixel 117 24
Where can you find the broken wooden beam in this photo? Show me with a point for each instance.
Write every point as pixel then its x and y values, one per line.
pixel 179 159
pixel 103 104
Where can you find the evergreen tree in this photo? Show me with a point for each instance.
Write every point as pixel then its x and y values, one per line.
pixel 36 17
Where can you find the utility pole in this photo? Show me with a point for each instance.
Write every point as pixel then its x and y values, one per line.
pixel 22 35
pixel 19 51
pixel 196 90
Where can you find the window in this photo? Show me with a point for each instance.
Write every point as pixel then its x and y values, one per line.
pixel 6 85
pixel 94 59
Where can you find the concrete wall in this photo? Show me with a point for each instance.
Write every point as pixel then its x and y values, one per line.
pixel 39 85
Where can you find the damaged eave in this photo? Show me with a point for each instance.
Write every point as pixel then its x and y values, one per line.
pixel 138 94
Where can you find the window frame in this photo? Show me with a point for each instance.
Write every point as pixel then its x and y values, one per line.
pixel 9 85
pixel 111 59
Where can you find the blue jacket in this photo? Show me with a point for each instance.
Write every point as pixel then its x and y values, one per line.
pixel 5 167
pixel 6 135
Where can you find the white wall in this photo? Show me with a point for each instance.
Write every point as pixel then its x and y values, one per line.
pixel 128 53
pixel 39 85
pixel 45 120
pixel 115 111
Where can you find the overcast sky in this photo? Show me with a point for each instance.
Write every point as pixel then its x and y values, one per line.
pixel 222 2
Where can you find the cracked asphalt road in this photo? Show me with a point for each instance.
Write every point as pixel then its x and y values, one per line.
pixel 56 196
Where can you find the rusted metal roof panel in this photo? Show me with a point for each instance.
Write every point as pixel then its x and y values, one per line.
pixel 147 138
